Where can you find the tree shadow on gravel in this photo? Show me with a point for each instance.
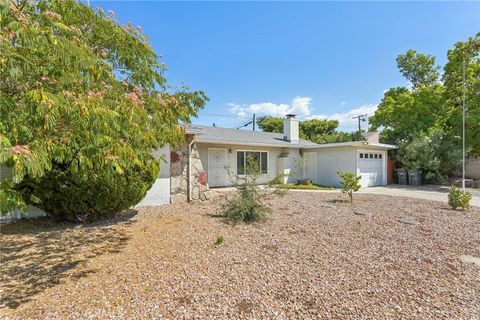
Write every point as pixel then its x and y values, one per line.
pixel 38 254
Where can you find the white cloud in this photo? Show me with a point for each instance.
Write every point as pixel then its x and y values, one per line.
pixel 345 119
pixel 237 109
pixel 276 110
pixel 300 106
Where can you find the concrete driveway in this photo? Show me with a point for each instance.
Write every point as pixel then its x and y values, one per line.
pixel 428 192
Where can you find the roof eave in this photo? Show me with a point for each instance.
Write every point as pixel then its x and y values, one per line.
pixel 354 144
pixel 259 144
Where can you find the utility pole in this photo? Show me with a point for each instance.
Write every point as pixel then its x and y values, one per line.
pixel 463 125
pixel 253 122
pixel 360 117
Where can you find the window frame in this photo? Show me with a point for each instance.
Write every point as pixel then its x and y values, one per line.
pixel 365 155
pixel 245 161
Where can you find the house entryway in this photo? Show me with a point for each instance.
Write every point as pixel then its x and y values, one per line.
pixel 217 167
pixel 310 166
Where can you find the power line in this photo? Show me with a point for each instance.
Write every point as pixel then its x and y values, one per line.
pixel 222 115
pixel 252 122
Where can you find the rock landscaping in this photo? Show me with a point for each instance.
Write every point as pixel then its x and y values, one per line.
pixel 306 262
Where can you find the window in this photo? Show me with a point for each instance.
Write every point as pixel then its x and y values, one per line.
pixel 371 155
pixel 380 156
pixel 240 162
pixel 259 157
pixel 376 156
pixel 361 155
pixel 264 163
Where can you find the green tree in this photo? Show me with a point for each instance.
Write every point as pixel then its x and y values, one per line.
pixel 309 129
pixel 468 51
pixel 316 130
pixel 436 153
pixel 350 183
pixel 418 68
pixel 337 136
pixel 404 114
pixel 270 124
pixel 83 103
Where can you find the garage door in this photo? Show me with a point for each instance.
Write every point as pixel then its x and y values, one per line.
pixel 370 165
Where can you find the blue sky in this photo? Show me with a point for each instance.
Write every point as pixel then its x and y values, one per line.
pixel 315 59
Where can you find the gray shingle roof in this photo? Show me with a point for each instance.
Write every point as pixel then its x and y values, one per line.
pixel 236 136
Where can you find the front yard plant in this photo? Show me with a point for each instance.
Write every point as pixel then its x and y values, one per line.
pixel 349 182
pixel 220 240
pixel 83 103
pixel 458 198
pixel 248 203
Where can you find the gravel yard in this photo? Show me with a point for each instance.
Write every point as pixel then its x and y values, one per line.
pixel 314 259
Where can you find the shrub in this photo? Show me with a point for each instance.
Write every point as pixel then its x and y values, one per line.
pixel 349 183
pixel 247 205
pixel 436 153
pixel 458 198
pixel 219 241
pixel 85 196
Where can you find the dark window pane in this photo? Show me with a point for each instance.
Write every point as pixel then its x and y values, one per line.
pixel 253 159
pixel 380 156
pixel 240 162
pixel 376 156
pixel 371 155
pixel 361 155
pixel 264 163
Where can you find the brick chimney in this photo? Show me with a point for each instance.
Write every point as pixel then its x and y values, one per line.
pixel 290 128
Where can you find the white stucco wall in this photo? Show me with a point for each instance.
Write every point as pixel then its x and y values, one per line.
pixel 345 158
pixel 331 160
pixel 159 193
pixel 273 154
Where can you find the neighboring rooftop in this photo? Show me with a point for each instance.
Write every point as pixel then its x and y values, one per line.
pixel 237 136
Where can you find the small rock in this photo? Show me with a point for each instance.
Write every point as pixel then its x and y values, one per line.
pixel 470 259
pixel 408 220
pixel 328 205
pixel 362 213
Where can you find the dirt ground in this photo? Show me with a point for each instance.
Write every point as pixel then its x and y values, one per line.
pixel 315 258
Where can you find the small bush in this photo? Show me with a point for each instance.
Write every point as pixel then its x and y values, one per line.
pixel 349 183
pixel 458 198
pixel 247 205
pixel 91 194
pixel 219 241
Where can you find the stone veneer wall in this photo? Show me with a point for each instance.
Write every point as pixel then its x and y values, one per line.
pixel 179 175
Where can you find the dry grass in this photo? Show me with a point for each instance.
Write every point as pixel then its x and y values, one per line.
pixel 308 261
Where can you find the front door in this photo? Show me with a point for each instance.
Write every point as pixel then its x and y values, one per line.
pixel 217 167
pixel 310 166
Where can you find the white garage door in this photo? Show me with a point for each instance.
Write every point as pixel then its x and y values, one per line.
pixel 371 166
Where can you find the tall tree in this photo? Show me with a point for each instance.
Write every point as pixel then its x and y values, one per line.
pixel 418 68
pixel 403 113
pixel 83 103
pixel 467 52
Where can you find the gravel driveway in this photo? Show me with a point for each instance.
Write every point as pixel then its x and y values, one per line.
pixel 314 259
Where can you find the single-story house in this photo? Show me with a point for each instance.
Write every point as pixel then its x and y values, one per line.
pixel 212 156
